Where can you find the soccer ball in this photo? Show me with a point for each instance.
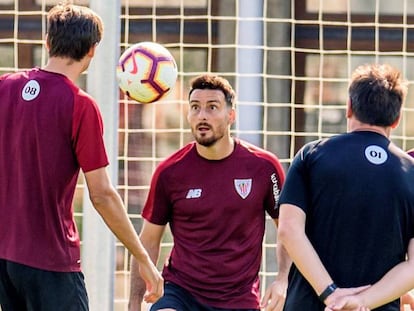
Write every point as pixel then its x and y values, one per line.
pixel 146 72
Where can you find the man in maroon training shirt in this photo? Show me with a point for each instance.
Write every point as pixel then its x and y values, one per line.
pixel 214 193
pixel 49 130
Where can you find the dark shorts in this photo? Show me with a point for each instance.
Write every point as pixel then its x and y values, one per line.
pixel 23 288
pixel 176 297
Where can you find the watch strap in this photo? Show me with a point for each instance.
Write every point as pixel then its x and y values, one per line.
pixel 329 290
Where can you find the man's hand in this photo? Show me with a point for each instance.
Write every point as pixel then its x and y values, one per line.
pixel 275 296
pixel 346 299
pixel 153 281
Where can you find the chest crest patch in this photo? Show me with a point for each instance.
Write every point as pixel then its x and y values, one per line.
pixel 243 187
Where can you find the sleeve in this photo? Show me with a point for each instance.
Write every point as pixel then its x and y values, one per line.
pixel 277 179
pixel 295 189
pixel 157 208
pixel 87 134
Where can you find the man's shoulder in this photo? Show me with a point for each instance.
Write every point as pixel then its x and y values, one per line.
pixel 254 149
pixel 180 153
pixel 177 156
pixel 262 155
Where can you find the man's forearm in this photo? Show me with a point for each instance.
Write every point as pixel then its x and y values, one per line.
pixel 137 287
pixel 291 234
pixel 392 285
pixel 283 260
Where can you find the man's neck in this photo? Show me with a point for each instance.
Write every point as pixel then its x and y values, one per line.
pixel 355 125
pixel 220 150
pixel 65 66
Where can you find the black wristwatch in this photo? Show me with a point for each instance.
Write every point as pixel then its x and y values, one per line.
pixel 329 290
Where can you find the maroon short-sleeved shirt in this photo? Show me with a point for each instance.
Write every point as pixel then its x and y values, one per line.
pixel 216 211
pixel 49 129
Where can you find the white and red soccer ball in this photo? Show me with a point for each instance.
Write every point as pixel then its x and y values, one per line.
pixel 146 72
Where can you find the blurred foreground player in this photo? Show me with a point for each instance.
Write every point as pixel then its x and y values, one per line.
pixel 49 130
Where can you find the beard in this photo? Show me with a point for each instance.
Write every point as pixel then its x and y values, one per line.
pixel 211 137
pixel 206 141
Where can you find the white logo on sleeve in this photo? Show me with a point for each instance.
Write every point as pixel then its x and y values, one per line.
pixel 376 154
pixel 31 90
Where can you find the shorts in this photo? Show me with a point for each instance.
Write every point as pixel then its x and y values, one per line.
pixel 23 288
pixel 178 298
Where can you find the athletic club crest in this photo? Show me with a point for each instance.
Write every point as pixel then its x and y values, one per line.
pixel 243 187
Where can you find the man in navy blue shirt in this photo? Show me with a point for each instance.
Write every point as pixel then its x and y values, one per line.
pixel 347 207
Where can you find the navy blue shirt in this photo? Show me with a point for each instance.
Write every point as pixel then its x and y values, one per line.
pixel 357 192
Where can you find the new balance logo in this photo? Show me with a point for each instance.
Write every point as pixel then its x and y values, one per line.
pixel 193 194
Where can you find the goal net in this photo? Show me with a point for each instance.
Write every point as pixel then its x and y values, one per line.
pixel 289 62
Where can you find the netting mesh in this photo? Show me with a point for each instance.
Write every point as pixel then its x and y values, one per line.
pixel 289 61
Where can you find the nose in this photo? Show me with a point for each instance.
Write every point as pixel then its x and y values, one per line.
pixel 202 114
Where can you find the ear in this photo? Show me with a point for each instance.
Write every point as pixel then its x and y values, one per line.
pixel 188 117
pixel 91 52
pixel 349 111
pixel 232 115
pixel 396 122
pixel 47 43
